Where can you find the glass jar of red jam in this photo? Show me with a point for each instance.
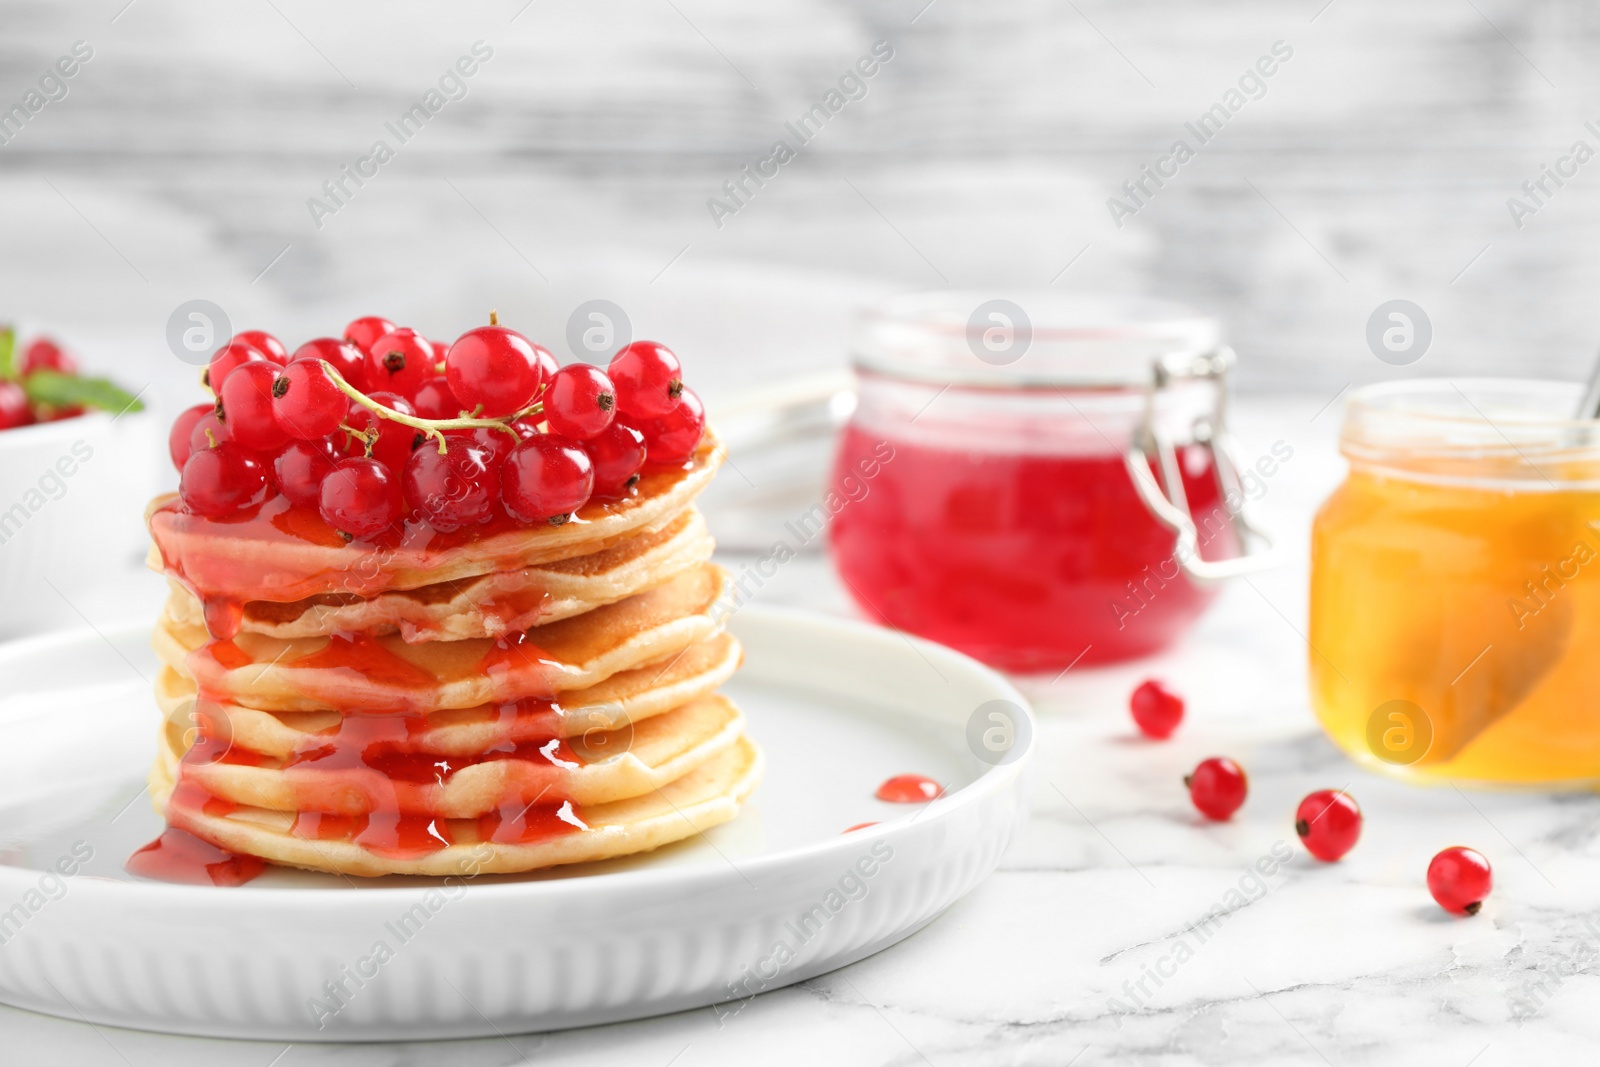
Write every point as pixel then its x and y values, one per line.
pixel 1038 481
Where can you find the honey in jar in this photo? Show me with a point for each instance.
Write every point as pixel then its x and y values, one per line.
pixel 1455 585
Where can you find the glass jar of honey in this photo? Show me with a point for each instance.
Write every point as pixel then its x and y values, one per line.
pixel 1455 603
pixel 1039 481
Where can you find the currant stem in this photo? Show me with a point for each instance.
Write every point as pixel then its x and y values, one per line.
pixel 434 428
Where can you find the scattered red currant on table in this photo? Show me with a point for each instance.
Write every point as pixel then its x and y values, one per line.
pixel 1217 787
pixel 1156 709
pixel 1459 879
pixel 1329 823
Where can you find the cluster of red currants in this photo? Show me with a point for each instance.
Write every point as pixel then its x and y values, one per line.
pixel 1328 822
pixel 385 426
pixel 19 406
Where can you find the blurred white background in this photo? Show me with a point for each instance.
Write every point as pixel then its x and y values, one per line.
pixel 1376 165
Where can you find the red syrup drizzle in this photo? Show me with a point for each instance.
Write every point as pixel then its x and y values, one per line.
pixel 511 653
pixel 909 789
pixel 223 617
pixel 179 856
pixel 530 823
pixel 376 762
pixel 857 826
pixel 365 655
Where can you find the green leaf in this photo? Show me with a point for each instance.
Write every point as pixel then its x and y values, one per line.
pixel 8 348
pixel 68 390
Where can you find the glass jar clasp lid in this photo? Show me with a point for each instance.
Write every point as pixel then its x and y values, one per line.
pixel 1163 492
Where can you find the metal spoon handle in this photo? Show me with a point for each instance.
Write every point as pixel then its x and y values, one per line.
pixel 1590 407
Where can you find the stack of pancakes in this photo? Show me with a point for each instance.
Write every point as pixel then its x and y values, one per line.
pixel 499 701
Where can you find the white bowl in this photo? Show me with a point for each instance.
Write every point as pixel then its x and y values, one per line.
pixel 72 498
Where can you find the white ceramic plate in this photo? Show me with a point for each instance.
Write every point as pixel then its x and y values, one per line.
pixel 777 896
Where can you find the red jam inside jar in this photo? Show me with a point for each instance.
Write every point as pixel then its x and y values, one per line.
pixel 989 503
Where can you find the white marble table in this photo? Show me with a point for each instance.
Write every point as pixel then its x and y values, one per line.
pixel 1083 947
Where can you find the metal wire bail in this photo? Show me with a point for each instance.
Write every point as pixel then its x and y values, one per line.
pixel 1167 500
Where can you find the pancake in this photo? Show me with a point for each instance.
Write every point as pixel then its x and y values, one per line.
pixel 371 765
pixel 385 674
pixel 488 605
pixel 630 697
pixel 285 554
pixel 705 797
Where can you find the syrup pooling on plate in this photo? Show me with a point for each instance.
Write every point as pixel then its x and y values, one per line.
pixel 179 856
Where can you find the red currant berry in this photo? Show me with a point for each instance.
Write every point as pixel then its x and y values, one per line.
pixel 494 367
pixel 217 482
pixel 264 343
pixel 1217 787
pixel 456 489
pixel 209 432
pixel 395 440
pixel 579 402
pixel 306 402
pixel 363 332
pixel 178 437
pixel 47 355
pixel 247 406
pixel 546 478
pixel 360 497
pixel 646 375
pixel 300 468
pixel 1156 709
pixel 1328 822
pixel 674 437
pixel 399 362
pixel 548 364
pixel 1459 879
pixel 346 358
pixel 440 350
pixel 618 454
pixel 229 356
pixel 434 400
pixel 14 408
pixel 497 444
